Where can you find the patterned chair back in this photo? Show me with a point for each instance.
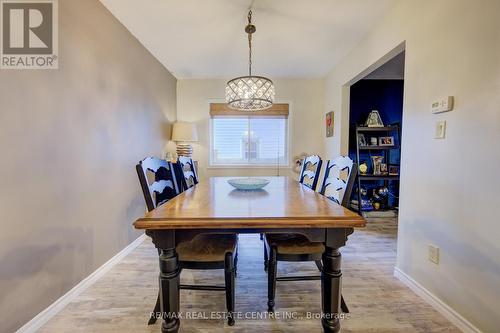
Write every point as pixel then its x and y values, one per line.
pixel 158 181
pixel 188 176
pixel 338 181
pixel 309 174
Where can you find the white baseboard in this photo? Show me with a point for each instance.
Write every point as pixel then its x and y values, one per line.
pixel 34 324
pixel 463 324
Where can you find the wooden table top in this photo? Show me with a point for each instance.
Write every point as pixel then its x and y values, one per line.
pixel 283 203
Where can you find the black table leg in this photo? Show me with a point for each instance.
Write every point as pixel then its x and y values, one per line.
pixel 169 290
pixel 331 290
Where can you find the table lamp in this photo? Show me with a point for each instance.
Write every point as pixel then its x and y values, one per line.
pixel 184 132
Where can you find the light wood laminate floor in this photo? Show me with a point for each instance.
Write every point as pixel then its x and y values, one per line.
pixel 122 300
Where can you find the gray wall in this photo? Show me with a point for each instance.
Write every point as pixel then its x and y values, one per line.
pixel 69 141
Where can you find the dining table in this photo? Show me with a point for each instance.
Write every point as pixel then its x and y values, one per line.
pixel 283 206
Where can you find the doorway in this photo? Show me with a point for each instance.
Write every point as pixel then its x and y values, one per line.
pixel 375 122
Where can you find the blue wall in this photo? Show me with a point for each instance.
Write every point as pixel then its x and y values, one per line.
pixel 386 96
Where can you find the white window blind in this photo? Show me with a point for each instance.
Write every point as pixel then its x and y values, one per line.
pixel 249 140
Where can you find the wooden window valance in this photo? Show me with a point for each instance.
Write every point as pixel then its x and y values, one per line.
pixel 221 109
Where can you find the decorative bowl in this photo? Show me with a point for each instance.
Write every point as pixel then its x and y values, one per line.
pixel 248 183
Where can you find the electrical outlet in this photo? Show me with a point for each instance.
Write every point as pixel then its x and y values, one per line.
pixel 434 254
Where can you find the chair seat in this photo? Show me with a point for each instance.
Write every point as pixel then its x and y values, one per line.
pixel 293 244
pixel 207 247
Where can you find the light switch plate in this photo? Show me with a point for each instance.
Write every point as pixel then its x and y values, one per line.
pixel 440 130
pixel 434 254
pixel 442 105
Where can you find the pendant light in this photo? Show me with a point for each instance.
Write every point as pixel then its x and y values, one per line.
pixel 250 93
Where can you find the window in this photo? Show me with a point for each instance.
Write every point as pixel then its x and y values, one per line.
pixel 255 139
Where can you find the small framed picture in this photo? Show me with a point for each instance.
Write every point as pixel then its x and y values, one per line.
pixel 386 141
pixel 330 123
pixel 383 168
pixel 393 170
pixel 361 140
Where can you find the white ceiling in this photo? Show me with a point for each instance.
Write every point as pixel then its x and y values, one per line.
pixel 206 38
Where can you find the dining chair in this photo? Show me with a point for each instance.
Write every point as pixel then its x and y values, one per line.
pixel 188 176
pixel 309 175
pixel 338 182
pixel 203 252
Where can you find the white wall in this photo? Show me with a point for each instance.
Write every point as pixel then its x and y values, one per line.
pixel 306 119
pixel 449 188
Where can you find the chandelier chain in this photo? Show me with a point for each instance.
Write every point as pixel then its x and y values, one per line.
pixel 249 43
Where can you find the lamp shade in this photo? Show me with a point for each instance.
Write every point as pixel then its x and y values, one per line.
pixel 184 132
